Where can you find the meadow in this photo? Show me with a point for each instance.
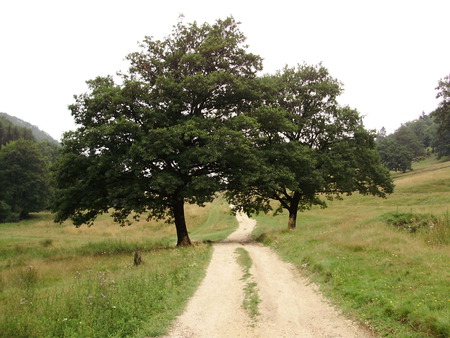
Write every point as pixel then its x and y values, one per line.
pixel 385 262
pixel 58 280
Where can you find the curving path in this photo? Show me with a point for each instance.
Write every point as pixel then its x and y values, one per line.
pixel 290 306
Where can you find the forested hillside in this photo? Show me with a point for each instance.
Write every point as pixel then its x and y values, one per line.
pixel 18 124
pixel 414 140
pixel 26 154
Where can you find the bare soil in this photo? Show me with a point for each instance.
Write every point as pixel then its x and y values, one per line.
pixel 290 305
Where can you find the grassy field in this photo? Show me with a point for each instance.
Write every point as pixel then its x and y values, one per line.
pixel 385 262
pixel 58 280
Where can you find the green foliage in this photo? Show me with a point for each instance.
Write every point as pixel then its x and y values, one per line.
pixel 394 155
pixel 24 169
pixel 11 132
pixel 442 117
pixel 424 128
pixel 24 179
pixel 406 137
pixel 6 215
pixel 407 144
pixel 50 151
pixel 411 142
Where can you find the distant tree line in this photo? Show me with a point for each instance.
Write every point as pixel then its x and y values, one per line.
pixel 418 138
pixel 25 184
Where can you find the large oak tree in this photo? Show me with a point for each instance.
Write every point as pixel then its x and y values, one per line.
pixel 152 142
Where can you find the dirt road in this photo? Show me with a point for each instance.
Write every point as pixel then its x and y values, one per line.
pixel 290 306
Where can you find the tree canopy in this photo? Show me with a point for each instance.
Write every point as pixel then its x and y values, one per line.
pixel 394 155
pixel 442 117
pixel 24 180
pixel 25 184
pixel 412 141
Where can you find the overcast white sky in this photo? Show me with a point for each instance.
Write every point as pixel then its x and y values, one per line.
pixel 390 54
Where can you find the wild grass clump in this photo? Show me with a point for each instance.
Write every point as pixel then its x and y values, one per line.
pixel 435 230
pixel 410 222
pixel 27 277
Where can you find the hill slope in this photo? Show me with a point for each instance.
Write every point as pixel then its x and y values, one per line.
pixel 37 133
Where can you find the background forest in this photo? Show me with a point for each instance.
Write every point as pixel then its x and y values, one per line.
pixel 26 155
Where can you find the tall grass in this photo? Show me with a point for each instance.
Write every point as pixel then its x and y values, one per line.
pixel 395 281
pixel 57 280
pixel 97 302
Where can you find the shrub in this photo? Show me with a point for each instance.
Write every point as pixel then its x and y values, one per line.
pixel 411 222
pixel 46 242
pixel 6 215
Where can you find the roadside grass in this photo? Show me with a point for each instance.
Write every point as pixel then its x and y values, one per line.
pixel 251 297
pixel 393 280
pixel 57 280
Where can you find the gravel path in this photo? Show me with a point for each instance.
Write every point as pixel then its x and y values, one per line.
pixel 290 306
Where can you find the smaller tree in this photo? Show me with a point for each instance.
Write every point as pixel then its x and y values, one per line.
pixel 407 138
pixel 24 179
pixel 305 147
pixel 394 155
pixel 381 134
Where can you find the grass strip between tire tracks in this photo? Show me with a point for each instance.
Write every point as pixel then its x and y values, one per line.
pixel 251 297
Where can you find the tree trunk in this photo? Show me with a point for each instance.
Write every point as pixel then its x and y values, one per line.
pixel 293 208
pixel 180 222
pixel 292 219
